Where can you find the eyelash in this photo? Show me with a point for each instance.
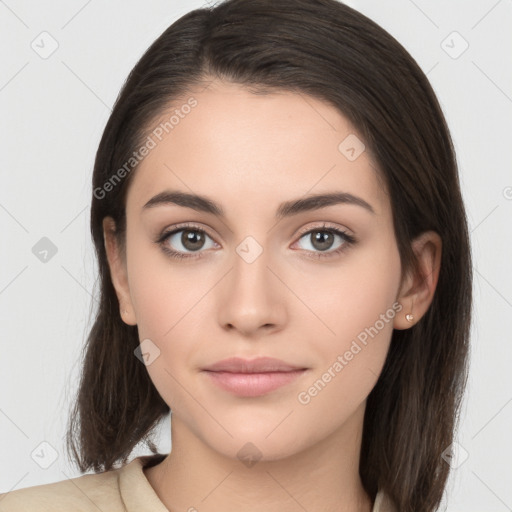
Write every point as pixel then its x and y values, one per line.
pixel 349 240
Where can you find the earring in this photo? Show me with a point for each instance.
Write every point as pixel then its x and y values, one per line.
pixel 409 317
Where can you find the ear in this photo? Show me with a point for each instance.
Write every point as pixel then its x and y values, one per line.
pixel 417 290
pixel 118 271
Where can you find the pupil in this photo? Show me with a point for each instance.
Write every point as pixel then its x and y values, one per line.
pixel 192 240
pixel 322 240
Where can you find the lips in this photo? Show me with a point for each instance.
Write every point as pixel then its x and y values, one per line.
pixel 252 378
pixel 258 365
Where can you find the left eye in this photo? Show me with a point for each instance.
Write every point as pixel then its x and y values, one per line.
pixel 322 239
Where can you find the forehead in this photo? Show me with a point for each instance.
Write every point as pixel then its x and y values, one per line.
pixel 262 148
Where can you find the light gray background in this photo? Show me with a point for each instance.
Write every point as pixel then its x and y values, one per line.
pixel 53 111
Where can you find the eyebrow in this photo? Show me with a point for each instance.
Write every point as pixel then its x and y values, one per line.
pixel 285 209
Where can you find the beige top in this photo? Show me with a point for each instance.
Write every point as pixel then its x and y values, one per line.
pixel 119 490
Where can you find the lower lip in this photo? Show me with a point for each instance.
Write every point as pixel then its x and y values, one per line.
pixel 253 384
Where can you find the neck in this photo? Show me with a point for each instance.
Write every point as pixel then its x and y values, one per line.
pixel 324 477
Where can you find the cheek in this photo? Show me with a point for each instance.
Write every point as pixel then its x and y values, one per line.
pixel 172 305
pixel 168 313
pixel 349 298
pixel 162 291
pixel 355 316
pixel 351 360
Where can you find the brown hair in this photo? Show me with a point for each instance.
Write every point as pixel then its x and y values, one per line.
pixel 332 52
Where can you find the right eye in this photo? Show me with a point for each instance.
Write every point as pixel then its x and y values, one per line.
pixel 184 238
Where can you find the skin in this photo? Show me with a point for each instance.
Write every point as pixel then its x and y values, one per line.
pixel 250 153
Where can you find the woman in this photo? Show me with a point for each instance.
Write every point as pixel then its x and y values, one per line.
pixel 285 268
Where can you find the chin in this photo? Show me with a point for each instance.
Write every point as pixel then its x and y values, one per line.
pixel 250 446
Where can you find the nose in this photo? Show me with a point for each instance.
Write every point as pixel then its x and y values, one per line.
pixel 252 298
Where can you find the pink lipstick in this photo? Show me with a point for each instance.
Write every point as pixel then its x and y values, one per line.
pixel 255 377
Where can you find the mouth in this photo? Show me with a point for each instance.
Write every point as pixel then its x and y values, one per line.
pixel 253 384
pixel 251 378
pixel 258 365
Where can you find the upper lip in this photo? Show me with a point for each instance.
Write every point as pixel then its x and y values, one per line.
pixel 258 365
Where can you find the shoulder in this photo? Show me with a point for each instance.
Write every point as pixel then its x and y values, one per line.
pixel 383 503
pixel 90 492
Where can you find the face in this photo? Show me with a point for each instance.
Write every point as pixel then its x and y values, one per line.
pixel 315 287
